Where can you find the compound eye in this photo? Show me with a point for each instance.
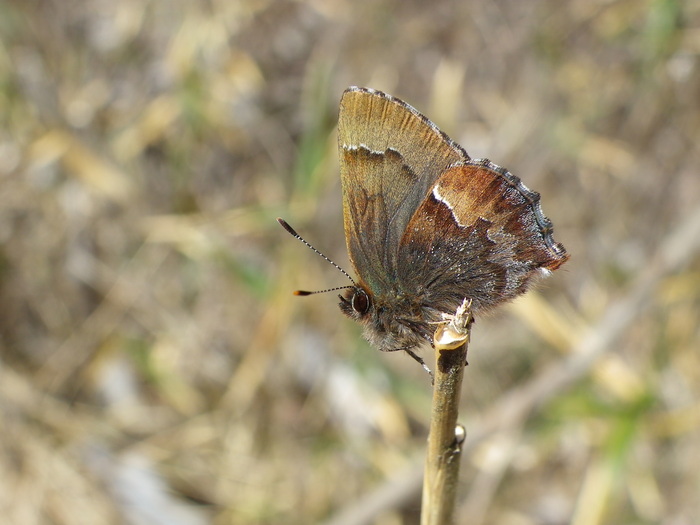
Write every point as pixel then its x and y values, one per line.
pixel 360 301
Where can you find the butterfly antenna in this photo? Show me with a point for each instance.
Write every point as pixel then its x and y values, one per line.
pixel 293 233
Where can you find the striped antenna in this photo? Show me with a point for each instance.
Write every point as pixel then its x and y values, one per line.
pixel 293 233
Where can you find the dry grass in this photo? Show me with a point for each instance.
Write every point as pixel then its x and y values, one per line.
pixel 155 367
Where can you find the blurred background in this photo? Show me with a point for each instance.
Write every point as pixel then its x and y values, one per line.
pixel 155 367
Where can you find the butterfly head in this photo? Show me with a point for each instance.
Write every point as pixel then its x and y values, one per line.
pixel 355 303
pixel 391 321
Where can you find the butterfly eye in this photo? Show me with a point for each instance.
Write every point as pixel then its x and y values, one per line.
pixel 360 301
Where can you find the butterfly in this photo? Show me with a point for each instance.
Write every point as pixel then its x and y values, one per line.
pixel 426 226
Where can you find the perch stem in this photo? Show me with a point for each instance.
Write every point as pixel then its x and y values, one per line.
pixel 446 436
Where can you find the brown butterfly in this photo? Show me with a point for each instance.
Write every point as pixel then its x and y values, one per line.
pixel 426 226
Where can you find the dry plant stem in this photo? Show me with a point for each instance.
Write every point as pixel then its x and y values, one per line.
pixel 444 449
pixel 445 440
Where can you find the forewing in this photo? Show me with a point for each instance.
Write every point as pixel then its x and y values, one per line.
pixel 390 155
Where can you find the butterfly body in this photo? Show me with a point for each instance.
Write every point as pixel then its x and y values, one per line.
pixel 427 226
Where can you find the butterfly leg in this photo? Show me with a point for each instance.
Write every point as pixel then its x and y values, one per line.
pixel 419 359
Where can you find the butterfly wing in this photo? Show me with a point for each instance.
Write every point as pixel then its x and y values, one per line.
pixel 390 155
pixel 478 234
